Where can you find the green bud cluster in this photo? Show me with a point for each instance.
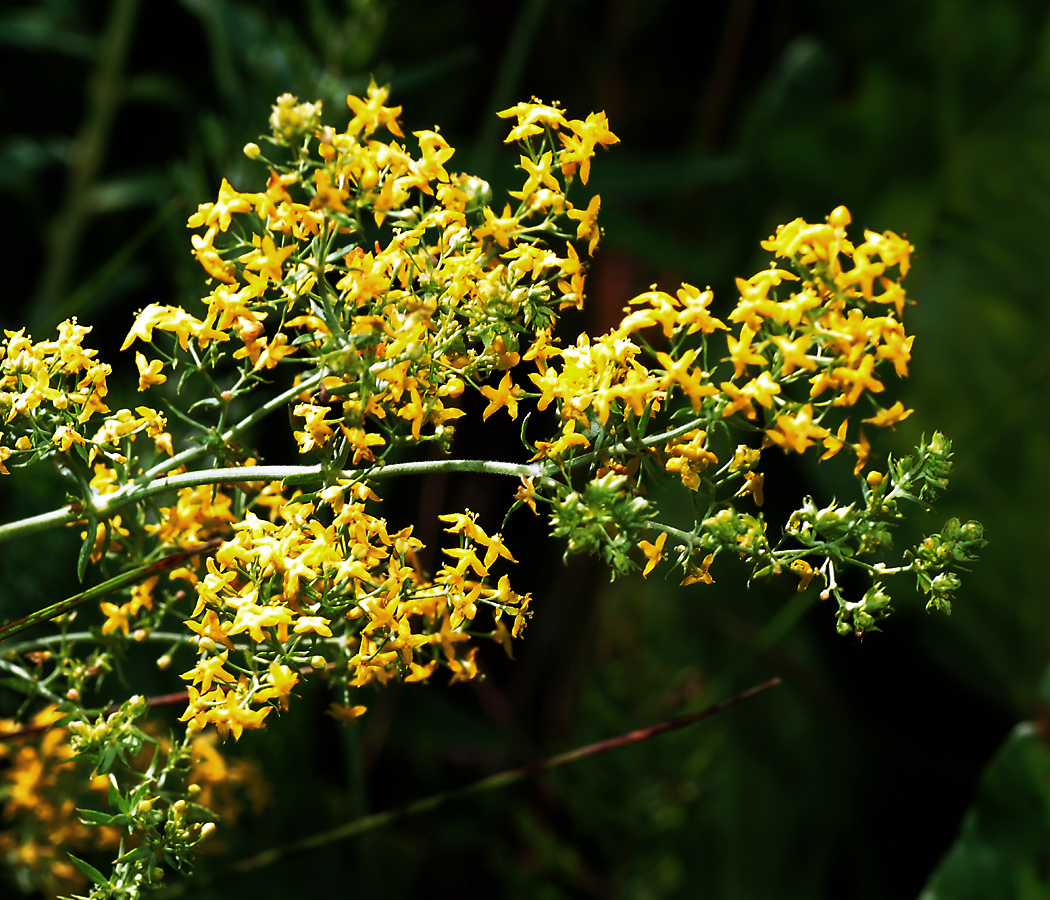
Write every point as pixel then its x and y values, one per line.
pixel 606 518
pixel 939 554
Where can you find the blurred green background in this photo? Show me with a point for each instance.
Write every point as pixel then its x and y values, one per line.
pixel 853 778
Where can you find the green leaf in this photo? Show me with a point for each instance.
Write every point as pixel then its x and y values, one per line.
pixel 1003 848
pixel 90 871
pixel 143 852
pixel 115 797
pixel 95 817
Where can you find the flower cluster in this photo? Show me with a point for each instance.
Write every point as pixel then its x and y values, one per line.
pixel 52 394
pixel 51 793
pixel 40 789
pixel 372 296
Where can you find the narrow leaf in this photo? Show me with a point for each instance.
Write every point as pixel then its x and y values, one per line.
pixel 90 871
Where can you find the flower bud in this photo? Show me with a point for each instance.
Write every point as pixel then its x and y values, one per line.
pixel 839 217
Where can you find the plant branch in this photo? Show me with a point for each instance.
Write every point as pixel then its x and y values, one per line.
pixel 107 587
pixel 108 504
pixel 493 782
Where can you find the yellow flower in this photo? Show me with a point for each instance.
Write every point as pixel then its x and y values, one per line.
pixel 149 372
pixel 436 152
pixel 557 448
pixel 282 679
pixel 762 390
pixel 316 431
pixel 532 117
pixel 266 257
pixel 653 552
pixel 210 628
pixel 858 379
pixel 893 415
pixel 694 311
pixel 793 352
pixel 274 352
pixel 254 618
pixel 806 573
pixel 579 146
pixel 116 617
pixel 539 173
pixel 505 395
pixel 701 573
pixel 313 624
pixel 237 715
pixel 326 196
pixel 834 443
pixel 371 115
pixel 755 481
pixel 796 432
pixel 741 402
pixel 346 714
pixel 863 450
pixel 693 382
pixel 64 437
pixel 588 219
pixel 501 230
pixel 740 351
pixel 220 213
pixel 527 494
pixel 208 669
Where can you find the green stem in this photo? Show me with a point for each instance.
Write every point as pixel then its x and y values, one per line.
pixel 247 422
pixel 76 637
pixel 629 446
pixel 493 782
pixel 109 504
pixel 101 590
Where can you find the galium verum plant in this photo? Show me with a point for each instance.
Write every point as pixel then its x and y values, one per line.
pixel 366 290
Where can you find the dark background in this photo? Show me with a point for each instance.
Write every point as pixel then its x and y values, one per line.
pixel 931 119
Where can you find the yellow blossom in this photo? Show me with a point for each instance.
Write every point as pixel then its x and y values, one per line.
pixel 588 219
pixel 532 118
pixel 504 395
pixel 806 573
pixel 209 669
pixel 796 432
pixel 893 415
pixel 500 229
pixel 346 714
pixel 371 115
pixel 740 351
pixel 653 552
pixel 149 372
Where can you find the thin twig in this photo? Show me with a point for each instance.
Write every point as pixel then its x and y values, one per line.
pixel 500 780
pixel 132 576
